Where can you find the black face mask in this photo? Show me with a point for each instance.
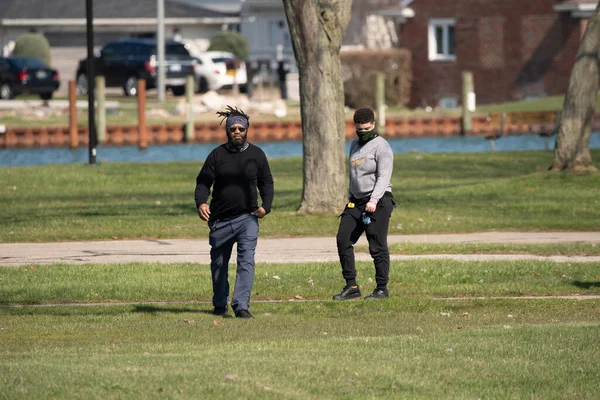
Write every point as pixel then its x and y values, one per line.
pixel 365 136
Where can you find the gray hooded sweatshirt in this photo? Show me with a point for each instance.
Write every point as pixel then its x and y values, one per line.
pixel 371 168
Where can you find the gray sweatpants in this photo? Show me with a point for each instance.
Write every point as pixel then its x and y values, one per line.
pixel 242 230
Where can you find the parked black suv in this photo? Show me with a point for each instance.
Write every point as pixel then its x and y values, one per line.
pixel 125 61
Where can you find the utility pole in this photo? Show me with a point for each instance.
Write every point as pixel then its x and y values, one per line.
pixel 160 46
pixel 91 59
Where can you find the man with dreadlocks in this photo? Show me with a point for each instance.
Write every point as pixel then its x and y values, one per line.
pixel 234 170
pixel 369 207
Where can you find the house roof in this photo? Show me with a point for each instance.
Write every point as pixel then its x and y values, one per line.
pixel 576 5
pixel 103 9
pixel 401 12
pixel 576 2
pixel 398 12
pixel 229 6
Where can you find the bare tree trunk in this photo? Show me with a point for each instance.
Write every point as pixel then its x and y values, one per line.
pixel 317 29
pixel 572 152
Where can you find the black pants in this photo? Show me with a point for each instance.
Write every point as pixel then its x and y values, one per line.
pixel 350 229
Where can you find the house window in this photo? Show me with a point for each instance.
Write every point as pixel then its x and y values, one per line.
pixel 448 103
pixel 442 45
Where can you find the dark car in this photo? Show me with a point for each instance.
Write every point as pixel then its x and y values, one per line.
pixel 125 61
pixel 21 75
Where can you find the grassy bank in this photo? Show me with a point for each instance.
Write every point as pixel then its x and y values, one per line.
pixel 171 111
pixel 435 193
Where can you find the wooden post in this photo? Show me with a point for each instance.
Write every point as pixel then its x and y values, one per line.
pixel 101 109
pixel 189 96
pixel 468 102
pixel 73 131
pixel 380 100
pixel 271 85
pixel 261 83
pixel 141 93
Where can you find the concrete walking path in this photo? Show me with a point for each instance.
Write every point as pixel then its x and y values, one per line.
pixel 287 250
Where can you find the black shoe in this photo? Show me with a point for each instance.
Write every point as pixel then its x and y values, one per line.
pixel 243 314
pixel 220 310
pixel 378 294
pixel 349 292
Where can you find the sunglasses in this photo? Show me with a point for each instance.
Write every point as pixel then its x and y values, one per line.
pixel 232 129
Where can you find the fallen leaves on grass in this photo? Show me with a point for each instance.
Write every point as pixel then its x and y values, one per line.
pixel 230 377
pixel 189 321
pixel 464 314
pixel 217 323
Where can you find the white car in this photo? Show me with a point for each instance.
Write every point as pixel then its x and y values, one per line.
pixel 214 70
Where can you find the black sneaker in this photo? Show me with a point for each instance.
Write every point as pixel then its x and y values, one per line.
pixel 378 294
pixel 349 292
pixel 243 314
pixel 220 310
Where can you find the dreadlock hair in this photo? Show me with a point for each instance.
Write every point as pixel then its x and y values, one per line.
pixel 232 112
pixel 364 116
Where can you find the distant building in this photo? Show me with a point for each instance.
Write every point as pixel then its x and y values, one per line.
pixel 63 23
pixel 264 24
pixel 516 49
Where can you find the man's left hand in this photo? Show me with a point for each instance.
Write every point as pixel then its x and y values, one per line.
pixel 259 212
pixel 370 207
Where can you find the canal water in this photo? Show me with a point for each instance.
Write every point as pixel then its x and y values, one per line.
pixel 198 152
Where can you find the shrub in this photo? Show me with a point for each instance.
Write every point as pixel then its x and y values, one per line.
pixel 359 69
pixel 33 45
pixel 232 42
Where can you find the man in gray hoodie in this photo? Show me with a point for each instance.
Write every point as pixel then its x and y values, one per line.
pixel 369 208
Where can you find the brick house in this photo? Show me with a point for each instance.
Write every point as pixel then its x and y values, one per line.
pixel 516 49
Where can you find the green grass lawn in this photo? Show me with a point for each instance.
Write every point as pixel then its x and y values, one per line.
pixel 408 346
pixel 131 331
pixel 553 249
pixel 435 193
pixel 397 349
pixel 67 283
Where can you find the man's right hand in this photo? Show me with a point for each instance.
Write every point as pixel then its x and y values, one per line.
pixel 204 212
